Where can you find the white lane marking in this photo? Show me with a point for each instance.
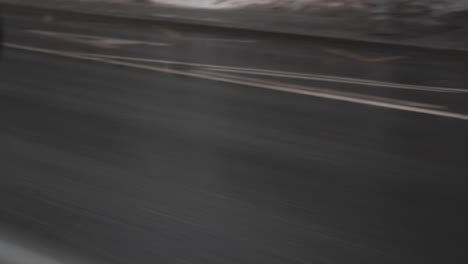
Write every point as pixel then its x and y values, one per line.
pixel 316 92
pixel 97 41
pixel 364 100
pixel 344 80
pixel 295 75
pixel 306 88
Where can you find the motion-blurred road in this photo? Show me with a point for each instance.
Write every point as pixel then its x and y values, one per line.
pixel 169 144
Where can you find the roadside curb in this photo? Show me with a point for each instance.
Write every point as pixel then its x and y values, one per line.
pixel 194 22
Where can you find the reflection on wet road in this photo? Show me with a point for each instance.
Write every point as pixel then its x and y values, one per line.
pixel 141 144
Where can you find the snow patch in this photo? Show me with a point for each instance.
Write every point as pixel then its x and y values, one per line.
pixel 212 4
pixel 226 4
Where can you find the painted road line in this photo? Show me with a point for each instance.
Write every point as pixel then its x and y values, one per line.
pixel 307 88
pixel 293 75
pixel 47 18
pixel 176 35
pixel 344 80
pixel 364 100
pixel 358 57
pixel 224 40
pixel 310 91
pixel 97 41
pixel 165 15
pixel 209 19
pixel 170 32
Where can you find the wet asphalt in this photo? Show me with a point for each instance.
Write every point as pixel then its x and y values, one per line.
pixel 126 163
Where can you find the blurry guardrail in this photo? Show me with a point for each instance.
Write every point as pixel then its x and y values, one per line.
pixel 387 15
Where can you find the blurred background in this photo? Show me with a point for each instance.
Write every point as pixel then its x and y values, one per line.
pixel 233 131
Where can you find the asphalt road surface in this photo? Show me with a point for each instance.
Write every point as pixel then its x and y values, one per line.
pixel 126 143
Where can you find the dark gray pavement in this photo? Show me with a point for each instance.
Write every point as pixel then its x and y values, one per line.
pixel 443 33
pixel 178 144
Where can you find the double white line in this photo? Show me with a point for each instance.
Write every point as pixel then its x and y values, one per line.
pixel 292 75
pixel 402 105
